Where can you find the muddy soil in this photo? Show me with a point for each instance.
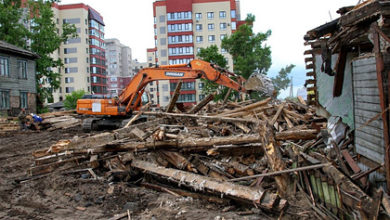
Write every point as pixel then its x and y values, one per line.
pixel 78 196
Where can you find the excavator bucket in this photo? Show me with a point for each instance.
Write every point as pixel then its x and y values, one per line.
pixel 260 83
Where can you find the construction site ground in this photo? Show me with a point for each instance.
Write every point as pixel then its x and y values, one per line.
pixel 79 196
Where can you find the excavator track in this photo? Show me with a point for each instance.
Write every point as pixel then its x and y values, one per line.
pixel 88 124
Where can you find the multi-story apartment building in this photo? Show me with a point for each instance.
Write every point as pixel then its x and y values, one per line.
pixel 119 63
pixel 181 28
pixel 83 56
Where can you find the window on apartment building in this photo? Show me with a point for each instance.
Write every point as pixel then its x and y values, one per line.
pixel 71 21
pixel 4 99
pixel 85 21
pixel 164 62
pixel 163 53
pixel 211 38
pixel 87 79
pixel 71 70
pixel 78 30
pixel 223 36
pixel 154 20
pixel 70 60
pixel 223 50
pixel 198 16
pixel 73 41
pixel 22 69
pixel 201 85
pixel 234 25
pixel 70 50
pixel 186 98
pixel 201 97
pixel 162 30
pixel 69 79
pixel 188 86
pixel 210 26
pixel 87 69
pixel 163 41
pixel 165 87
pixel 198 27
pixel 223 26
pixel 87 60
pixel 222 14
pixel 162 18
pixel 58 21
pixel 210 15
pixel 23 100
pixel 233 13
pixel 69 89
pixel 199 39
pixel 4 66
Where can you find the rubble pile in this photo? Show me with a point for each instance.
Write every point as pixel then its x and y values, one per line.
pixel 255 153
pixel 59 120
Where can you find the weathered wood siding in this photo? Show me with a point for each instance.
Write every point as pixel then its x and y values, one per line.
pixel 369 140
pixel 15 84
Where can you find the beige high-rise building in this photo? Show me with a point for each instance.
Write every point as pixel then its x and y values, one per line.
pixel 119 66
pixel 83 56
pixel 181 28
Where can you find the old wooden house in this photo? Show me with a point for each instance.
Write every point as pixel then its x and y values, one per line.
pixel 17 79
pixel 348 65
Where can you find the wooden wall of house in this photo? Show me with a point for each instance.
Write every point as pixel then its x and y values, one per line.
pixel 15 84
pixel 369 140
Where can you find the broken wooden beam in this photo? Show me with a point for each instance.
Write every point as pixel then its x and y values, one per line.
pixel 262 199
pixel 205 117
pixel 311 167
pixel 175 97
pixel 202 103
pixel 248 107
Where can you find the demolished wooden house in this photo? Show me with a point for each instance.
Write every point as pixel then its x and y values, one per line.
pixel 348 75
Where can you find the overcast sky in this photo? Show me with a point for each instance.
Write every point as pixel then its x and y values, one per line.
pixel 131 21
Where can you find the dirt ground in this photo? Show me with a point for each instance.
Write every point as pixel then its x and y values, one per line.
pixel 78 196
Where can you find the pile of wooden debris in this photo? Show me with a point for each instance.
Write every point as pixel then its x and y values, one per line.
pixel 59 120
pixel 8 124
pixel 249 152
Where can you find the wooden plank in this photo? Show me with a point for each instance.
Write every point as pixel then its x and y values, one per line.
pixel 373 139
pixel 364 61
pixel 365 69
pixel 363 76
pixel 367 91
pixel 311 73
pixel 353 165
pixel 234 191
pixel 310 66
pixel 371 83
pixel 375 123
pixel 368 107
pixel 175 96
pixel 202 103
pixel 365 113
pixel 370 129
pixel 311 81
pixel 375 156
pixel 366 98
pixel 368 145
pixel 308 59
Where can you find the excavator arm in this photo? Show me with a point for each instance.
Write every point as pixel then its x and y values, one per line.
pixel 130 98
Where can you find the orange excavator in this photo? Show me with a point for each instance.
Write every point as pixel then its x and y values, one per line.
pixel 112 111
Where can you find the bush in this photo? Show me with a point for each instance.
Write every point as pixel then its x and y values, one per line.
pixel 71 100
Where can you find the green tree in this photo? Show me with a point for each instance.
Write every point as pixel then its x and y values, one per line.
pixel 282 80
pixel 249 51
pixel 44 41
pixel 211 54
pixel 71 100
pixel 12 29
